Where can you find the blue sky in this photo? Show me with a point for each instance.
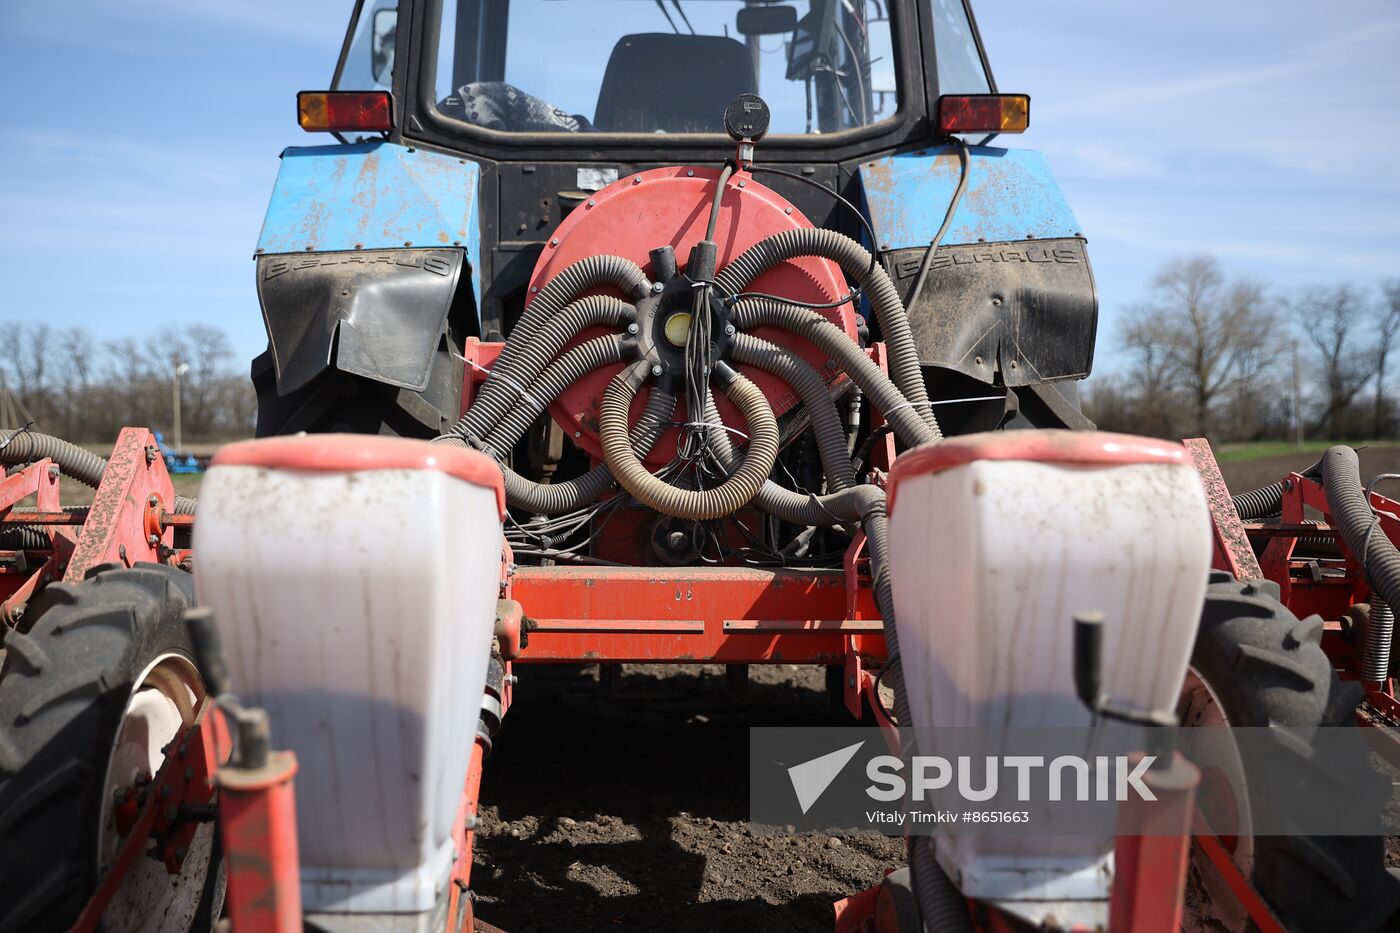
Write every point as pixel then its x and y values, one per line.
pixel 141 139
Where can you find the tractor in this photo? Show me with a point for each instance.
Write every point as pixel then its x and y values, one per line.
pixel 726 335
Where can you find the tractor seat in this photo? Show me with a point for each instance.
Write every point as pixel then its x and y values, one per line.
pixel 676 83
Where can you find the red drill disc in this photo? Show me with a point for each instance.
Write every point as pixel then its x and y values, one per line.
pixel 637 214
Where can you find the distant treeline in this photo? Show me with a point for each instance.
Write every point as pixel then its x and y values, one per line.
pixel 86 390
pixel 1206 353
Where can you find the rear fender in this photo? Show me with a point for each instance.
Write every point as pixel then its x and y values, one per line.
pixel 374 314
pixel 359 259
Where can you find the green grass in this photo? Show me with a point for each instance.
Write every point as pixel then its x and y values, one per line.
pixel 1258 450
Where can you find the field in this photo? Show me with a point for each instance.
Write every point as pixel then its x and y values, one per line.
pixel 1249 466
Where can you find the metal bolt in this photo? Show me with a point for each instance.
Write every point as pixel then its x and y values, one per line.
pixel 578 434
pixel 636 179
pixel 729 330
pixel 152 501
pixel 787 210
pixel 656 369
pixel 591 202
pixel 632 328
pixel 53 471
pixel 690 173
pixel 151 454
pixel 742 183
pixel 153 540
pixel 656 287
pixel 676 540
pixel 554 242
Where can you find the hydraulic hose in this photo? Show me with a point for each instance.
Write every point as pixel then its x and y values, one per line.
pixel 563 372
pixel 521 361
pixel 573 281
pixel 73 461
pixel 24 538
pixel 854 260
pixel 792 507
pixel 702 504
pixel 811 388
pixel 1266 500
pixel 884 395
pixel 554 498
pixel 1360 529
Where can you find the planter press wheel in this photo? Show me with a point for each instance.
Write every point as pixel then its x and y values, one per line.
pixel 90 694
pixel 1256 665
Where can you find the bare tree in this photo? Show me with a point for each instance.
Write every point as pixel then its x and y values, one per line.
pixel 1329 316
pixel 1387 329
pixel 1200 337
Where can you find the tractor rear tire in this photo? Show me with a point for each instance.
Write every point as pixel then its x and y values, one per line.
pixel 338 402
pixel 65 686
pixel 1263 667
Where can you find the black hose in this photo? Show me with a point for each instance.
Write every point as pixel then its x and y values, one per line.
pixel 696 504
pixel 24 538
pixel 812 389
pixel 73 461
pixel 520 362
pixel 884 395
pixel 724 176
pixel 563 372
pixel 1256 504
pixel 1360 529
pixel 554 498
pixel 1259 503
pixel 854 260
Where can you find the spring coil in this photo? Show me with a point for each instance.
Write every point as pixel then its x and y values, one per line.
pixel 1375 658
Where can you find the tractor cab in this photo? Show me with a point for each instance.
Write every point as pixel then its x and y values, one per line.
pixel 472 129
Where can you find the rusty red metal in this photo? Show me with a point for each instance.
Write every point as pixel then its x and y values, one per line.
pixel 688 614
pixel 257 811
pixel 1224 864
pixel 115 530
pixel 463 834
pixel 162 811
pixel 1232 548
pixel 1152 850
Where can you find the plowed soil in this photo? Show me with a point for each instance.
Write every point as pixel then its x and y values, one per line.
pixel 629 811
pixel 1250 474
